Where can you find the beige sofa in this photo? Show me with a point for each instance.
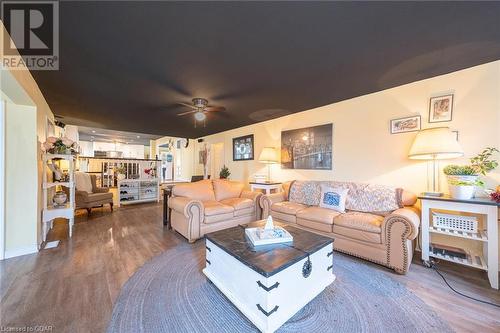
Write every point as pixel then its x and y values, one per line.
pixel 379 235
pixel 210 205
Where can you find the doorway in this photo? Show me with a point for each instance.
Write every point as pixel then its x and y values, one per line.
pixel 217 159
pixel 2 179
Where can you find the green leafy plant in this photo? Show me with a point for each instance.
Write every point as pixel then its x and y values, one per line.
pixel 483 163
pixel 479 165
pixel 120 170
pixel 457 182
pixel 224 172
pixel 459 170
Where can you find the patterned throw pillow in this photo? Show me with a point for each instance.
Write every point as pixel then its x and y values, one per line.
pixel 333 198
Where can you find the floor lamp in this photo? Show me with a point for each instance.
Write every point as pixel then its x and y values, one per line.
pixel 435 144
pixel 268 156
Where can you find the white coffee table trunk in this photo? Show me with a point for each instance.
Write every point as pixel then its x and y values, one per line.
pixel 268 302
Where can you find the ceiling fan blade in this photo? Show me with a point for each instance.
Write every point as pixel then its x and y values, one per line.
pixel 187 112
pixel 188 105
pixel 214 108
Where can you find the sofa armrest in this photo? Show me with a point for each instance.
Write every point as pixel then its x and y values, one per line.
pixel 266 201
pixel 255 197
pixel 399 229
pixel 191 214
pixel 409 216
pixel 185 205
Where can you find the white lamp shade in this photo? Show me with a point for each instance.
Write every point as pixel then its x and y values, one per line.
pixel 435 143
pixel 268 155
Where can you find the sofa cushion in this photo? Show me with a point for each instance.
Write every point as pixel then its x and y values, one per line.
pixel 317 214
pixel 350 233
pixel 289 218
pixel 362 197
pixel 360 221
pixel 93 197
pixel 216 208
pixel 202 190
pixel 218 218
pixel 315 226
pixel 333 198
pixel 287 207
pixel 226 189
pixel 238 203
pixel 83 182
pixel 244 211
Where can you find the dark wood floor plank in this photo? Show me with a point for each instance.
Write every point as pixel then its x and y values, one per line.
pixel 73 286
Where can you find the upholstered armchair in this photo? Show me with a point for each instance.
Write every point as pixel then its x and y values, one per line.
pixel 88 195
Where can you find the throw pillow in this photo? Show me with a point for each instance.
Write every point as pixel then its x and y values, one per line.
pixel 83 182
pixel 333 198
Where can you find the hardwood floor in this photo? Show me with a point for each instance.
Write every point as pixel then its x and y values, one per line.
pixel 72 287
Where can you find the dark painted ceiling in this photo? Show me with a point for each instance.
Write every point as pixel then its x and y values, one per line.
pixel 124 66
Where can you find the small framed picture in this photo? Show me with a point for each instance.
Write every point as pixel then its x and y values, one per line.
pixel 441 109
pixel 243 148
pixel 407 124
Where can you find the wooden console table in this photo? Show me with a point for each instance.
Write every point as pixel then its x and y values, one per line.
pixel 488 259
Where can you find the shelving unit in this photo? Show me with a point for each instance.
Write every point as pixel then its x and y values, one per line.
pixel 473 259
pixel 51 212
pixel 486 237
pixel 480 236
pixel 138 190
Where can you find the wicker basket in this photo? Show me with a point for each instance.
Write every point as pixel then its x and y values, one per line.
pixel 454 222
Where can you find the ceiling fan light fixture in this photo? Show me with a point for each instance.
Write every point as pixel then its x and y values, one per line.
pixel 200 116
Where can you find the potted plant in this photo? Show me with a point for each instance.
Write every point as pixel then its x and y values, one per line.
pixel 463 179
pixel 120 172
pixel 63 146
pixel 224 172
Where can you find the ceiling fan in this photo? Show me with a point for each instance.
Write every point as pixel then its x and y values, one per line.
pixel 200 108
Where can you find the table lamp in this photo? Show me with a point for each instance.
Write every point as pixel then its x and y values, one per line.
pixel 268 156
pixel 434 144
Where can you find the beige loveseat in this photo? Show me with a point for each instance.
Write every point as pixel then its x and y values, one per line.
pixel 379 224
pixel 210 205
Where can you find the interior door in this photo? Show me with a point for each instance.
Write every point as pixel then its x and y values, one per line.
pixel 217 159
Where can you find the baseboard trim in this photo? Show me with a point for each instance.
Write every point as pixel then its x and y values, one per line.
pixel 21 251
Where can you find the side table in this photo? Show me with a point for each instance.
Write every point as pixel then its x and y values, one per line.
pixel 487 236
pixel 266 186
pixel 167 193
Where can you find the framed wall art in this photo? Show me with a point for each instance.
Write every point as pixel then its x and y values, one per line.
pixel 407 124
pixel 307 148
pixel 441 109
pixel 243 148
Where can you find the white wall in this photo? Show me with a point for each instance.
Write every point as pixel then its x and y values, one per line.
pixel 183 157
pixel 26 117
pixel 363 148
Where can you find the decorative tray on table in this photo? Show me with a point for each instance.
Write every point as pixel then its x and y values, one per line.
pixel 268 235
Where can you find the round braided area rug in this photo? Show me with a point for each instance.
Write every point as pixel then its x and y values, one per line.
pixel 171 294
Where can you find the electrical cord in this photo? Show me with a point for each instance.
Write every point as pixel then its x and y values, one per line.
pixel 433 266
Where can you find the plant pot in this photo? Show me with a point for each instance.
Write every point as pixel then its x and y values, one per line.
pixel 465 190
pixel 462 192
pixel 120 176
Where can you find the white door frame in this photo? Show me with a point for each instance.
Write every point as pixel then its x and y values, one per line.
pixel 2 179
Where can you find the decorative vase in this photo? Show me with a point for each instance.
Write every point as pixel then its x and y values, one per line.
pixel 120 176
pixel 462 192
pixel 60 198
